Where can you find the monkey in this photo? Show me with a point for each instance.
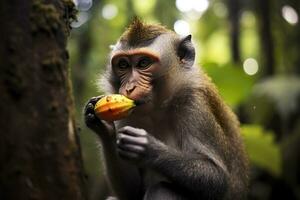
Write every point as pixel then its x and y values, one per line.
pixel 183 141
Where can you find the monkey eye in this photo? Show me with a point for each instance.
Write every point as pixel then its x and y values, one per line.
pixel 123 64
pixel 145 62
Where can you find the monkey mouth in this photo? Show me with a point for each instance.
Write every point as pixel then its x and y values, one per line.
pixel 142 101
pixel 139 102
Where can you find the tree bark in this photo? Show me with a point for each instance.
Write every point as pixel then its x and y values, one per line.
pixel 39 150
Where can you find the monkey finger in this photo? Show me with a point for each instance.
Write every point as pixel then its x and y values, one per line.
pixel 133 131
pixel 110 126
pixel 132 148
pixel 94 100
pixel 90 119
pixel 89 108
pixel 128 139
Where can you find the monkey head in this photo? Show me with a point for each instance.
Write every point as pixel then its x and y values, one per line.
pixel 146 59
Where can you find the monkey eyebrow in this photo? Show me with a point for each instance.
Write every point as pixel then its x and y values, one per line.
pixel 142 51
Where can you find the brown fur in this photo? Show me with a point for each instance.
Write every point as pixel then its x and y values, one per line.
pixel 139 32
pixel 232 146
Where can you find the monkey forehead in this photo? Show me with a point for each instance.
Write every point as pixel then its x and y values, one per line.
pixel 140 51
pixel 161 45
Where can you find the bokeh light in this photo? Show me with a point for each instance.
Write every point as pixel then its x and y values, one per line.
pixel 184 5
pixel 248 19
pixel 250 66
pixel 142 8
pixel 109 11
pixel 181 27
pixel 189 5
pixel 193 15
pixel 82 17
pixel 83 5
pixel 289 14
pixel 200 5
pixel 220 10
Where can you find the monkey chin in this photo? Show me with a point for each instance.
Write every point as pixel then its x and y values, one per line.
pixel 144 105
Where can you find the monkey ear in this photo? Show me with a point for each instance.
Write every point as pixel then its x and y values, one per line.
pixel 186 51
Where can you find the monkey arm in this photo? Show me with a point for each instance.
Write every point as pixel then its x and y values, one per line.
pixel 198 168
pixel 199 173
pixel 202 173
pixel 123 177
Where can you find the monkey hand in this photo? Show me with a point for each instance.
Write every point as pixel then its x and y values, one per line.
pixel 137 145
pixel 101 127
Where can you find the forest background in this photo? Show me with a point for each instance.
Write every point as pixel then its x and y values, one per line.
pixel 250 49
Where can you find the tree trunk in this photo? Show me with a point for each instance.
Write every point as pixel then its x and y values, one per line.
pixel 296 39
pixel 234 8
pixel 39 150
pixel 266 39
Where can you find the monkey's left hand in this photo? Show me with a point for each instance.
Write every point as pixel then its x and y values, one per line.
pixel 137 145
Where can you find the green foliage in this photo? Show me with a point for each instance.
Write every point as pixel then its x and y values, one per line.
pixel 262 149
pixel 233 84
pixel 259 110
pixel 163 15
pixel 144 8
pixel 249 37
pixel 216 48
pixel 212 40
pixel 283 91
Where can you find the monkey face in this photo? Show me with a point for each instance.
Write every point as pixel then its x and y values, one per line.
pixel 150 71
pixel 135 70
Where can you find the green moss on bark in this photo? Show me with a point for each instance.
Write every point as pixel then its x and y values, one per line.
pixel 71 12
pixel 44 17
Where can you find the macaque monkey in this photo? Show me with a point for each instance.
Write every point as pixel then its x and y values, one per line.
pixel 183 142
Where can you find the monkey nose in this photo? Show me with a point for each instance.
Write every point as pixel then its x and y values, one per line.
pixel 130 88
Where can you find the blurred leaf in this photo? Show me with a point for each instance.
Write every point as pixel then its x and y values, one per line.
pixel 262 149
pixel 249 37
pixel 143 7
pixel 233 84
pixel 260 110
pixel 284 91
pixel 249 43
pixel 216 48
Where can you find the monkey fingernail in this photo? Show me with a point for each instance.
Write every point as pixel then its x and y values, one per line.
pixel 90 116
pixel 90 105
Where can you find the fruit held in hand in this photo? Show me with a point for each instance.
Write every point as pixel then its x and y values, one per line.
pixel 114 107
